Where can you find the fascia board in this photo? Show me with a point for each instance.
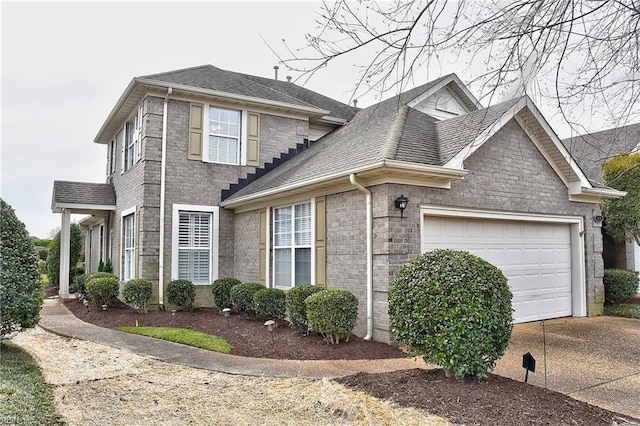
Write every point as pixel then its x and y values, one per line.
pixel 435 171
pixel 236 97
pixel 58 207
pixel 584 181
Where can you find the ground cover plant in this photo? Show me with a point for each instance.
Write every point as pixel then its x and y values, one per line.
pixel 182 335
pixel 25 399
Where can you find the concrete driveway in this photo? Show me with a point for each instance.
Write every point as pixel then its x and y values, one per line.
pixel 596 360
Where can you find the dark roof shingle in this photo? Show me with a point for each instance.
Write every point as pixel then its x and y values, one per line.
pixel 83 193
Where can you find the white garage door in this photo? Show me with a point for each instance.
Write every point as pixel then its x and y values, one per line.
pixel 535 257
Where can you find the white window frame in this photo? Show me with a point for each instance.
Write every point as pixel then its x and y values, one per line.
pixel 215 234
pixel 293 246
pixel 132 144
pixel 123 276
pixel 241 159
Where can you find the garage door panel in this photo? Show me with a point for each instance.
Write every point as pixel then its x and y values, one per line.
pixel 534 256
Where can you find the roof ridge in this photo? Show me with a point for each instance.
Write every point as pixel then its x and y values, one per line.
pixel 390 147
pixel 179 70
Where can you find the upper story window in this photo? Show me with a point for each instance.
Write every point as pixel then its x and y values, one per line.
pixel 223 144
pixel 128 246
pixel 223 135
pixel 132 139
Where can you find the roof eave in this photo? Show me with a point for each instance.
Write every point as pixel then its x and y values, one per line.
pixel 103 138
pixel 385 171
pixel 595 195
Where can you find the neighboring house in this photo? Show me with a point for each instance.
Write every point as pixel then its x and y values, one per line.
pixel 590 151
pixel 198 196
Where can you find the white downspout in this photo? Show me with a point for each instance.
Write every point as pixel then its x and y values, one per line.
pixel 369 206
pixel 163 171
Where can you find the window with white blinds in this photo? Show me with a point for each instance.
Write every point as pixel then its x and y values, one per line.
pixel 292 245
pixel 129 246
pixel 194 247
pixel 223 143
pixel 133 139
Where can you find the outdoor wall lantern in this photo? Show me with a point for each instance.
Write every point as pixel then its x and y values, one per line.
pixel 401 203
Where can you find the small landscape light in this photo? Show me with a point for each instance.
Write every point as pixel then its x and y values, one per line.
pixel 173 312
pixel 226 312
pixel 85 302
pixel 78 296
pixel 105 307
pixel 271 326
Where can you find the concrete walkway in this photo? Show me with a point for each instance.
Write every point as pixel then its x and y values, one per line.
pixel 56 318
pixel 596 360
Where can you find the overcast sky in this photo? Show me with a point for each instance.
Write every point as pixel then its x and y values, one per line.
pixel 64 65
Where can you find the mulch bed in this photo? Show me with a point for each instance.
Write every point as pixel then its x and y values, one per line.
pixel 493 401
pixel 247 337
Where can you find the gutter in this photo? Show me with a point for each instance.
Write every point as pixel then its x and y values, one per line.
pixel 369 207
pixel 163 175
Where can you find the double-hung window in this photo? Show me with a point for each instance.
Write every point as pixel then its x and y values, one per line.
pixel 133 136
pixel 194 247
pixel 292 245
pixel 223 143
pixel 195 234
pixel 128 246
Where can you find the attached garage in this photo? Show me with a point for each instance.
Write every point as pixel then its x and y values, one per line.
pixel 542 256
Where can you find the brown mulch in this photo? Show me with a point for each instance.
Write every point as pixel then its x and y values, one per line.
pixel 247 337
pixel 492 401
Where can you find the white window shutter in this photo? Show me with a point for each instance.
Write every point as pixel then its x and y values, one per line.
pixel 138 133
pixel 124 143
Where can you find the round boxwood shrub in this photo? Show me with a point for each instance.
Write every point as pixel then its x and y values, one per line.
pixel 332 313
pixel 103 290
pixel 137 294
pixel 181 293
pixel 20 288
pixel 80 281
pixel 270 303
pixel 454 309
pixel 221 290
pixel 619 285
pixel 296 308
pixel 242 297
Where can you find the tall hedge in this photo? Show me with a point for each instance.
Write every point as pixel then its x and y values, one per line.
pixel 21 291
pixel 454 309
pixel 75 251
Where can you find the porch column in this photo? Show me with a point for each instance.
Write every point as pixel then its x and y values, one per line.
pixel 65 248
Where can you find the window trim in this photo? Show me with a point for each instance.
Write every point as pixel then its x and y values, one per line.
pixel 271 275
pixel 241 159
pixel 215 234
pixel 125 213
pixel 131 149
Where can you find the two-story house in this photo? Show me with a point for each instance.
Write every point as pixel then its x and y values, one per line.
pixel 213 173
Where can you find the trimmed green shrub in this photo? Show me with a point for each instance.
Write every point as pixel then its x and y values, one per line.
pixel 80 281
pixel 181 293
pixel 108 267
pixel 42 267
pixel 101 266
pixel 137 294
pixel 454 309
pixel 221 290
pixel 270 303
pixel 296 308
pixel 103 290
pixel 242 297
pixel 21 293
pixel 619 285
pixel 332 313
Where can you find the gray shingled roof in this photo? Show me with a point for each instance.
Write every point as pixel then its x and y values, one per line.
pixel 83 193
pixel 389 130
pixel 591 150
pixel 212 78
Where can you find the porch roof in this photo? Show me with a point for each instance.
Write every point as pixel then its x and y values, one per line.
pixel 82 197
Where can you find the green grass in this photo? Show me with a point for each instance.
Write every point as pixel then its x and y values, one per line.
pixel 627 310
pixel 25 399
pixel 184 336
